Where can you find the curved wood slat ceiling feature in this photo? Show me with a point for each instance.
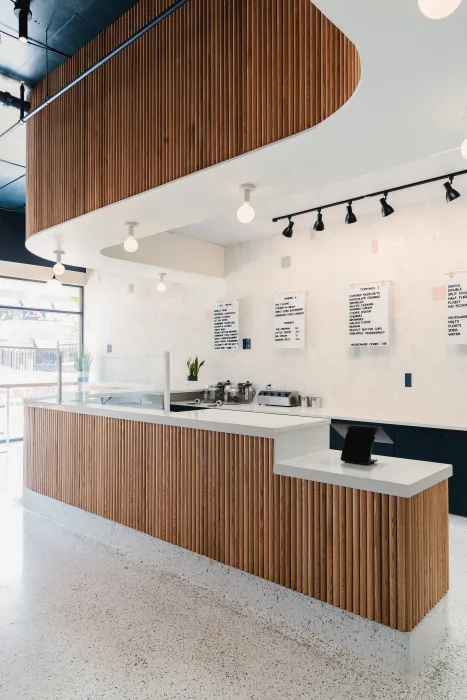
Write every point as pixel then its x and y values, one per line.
pixel 217 79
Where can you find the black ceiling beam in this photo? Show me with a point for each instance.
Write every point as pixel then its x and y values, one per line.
pixel 386 191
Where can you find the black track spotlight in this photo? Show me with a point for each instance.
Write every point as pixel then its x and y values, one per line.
pixel 451 193
pixel 23 12
pixel 386 209
pixel 350 217
pixel 288 231
pixel 319 223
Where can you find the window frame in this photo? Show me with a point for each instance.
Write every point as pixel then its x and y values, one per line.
pixel 80 313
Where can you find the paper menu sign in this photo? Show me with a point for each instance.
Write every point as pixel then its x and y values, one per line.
pixel 225 319
pixel 368 308
pixel 456 307
pixel 289 319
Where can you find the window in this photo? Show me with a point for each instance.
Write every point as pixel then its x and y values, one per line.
pixel 33 318
pixel 34 315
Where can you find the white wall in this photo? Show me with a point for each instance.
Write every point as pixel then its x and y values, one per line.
pixel 413 248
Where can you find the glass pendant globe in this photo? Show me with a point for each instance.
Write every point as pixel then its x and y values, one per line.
pixel 161 287
pixel 246 213
pixel 438 9
pixel 464 149
pixel 131 244
pixel 59 269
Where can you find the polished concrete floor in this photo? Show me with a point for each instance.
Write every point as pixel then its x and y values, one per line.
pixel 79 619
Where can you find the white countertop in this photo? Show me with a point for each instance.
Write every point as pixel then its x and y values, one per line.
pixel 426 420
pixel 219 420
pixel 390 475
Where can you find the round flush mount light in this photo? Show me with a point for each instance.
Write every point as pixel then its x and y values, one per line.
pixel 59 267
pixel 438 9
pixel 464 149
pixel 131 244
pixel 246 213
pixel 161 287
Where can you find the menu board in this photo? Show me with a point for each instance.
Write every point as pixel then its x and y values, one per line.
pixel 225 319
pixel 457 309
pixel 289 319
pixel 368 315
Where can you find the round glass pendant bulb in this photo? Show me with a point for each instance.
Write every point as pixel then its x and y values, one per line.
pixel 59 269
pixel 438 9
pixel 245 213
pixel 464 149
pixel 161 287
pixel 131 244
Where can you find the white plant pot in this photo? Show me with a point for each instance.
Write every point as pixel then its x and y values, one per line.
pixel 83 377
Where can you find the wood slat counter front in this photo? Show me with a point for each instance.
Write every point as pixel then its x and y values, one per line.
pixel 215 492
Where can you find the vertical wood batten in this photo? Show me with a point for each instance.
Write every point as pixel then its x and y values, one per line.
pixel 214 80
pixel 379 556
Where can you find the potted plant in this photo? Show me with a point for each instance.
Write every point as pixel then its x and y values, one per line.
pixel 82 361
pixel 194 367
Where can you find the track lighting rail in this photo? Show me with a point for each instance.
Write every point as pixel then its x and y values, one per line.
pixel 384 193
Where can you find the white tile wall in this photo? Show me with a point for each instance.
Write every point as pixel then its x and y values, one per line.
pixel 415 247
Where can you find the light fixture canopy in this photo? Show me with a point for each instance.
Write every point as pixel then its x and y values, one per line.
pixel 386 209
pixel 161 287
pixel 350 217
pixel 131 244
pixel 438 9
pixel 23 11
pixel 288 231
pixel 246 213
pixel 451 193
pixel 59 267
pixel 319 223
pixel 464 149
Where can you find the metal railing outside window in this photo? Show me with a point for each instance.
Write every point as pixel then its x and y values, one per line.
pixel 34 322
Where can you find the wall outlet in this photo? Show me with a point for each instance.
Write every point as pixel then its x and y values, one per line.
pixel 408 380
pixel 109 348
pixel 286 261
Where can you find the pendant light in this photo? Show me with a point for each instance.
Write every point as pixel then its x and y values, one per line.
pixel 288 231
pixel 54 283
pixel 131 244
pixel 59 267
pixel 161 287
pixel 386 209
pixel 438 9
pixel 319 223
pixel 451 193
pixel 350 217
pixel 246 213
pixel 23 12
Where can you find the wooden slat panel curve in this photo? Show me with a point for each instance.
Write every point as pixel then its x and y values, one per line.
pixel 381 557
pixel 217 79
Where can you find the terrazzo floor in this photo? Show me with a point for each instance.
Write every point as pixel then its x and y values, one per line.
pixel 82 620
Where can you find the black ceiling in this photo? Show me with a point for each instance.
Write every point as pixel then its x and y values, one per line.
pixel 69 24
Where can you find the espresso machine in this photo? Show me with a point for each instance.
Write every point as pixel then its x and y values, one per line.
pixel 228 393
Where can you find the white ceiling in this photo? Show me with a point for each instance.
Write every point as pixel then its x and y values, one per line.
pixel 227 230
pixel 405 122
